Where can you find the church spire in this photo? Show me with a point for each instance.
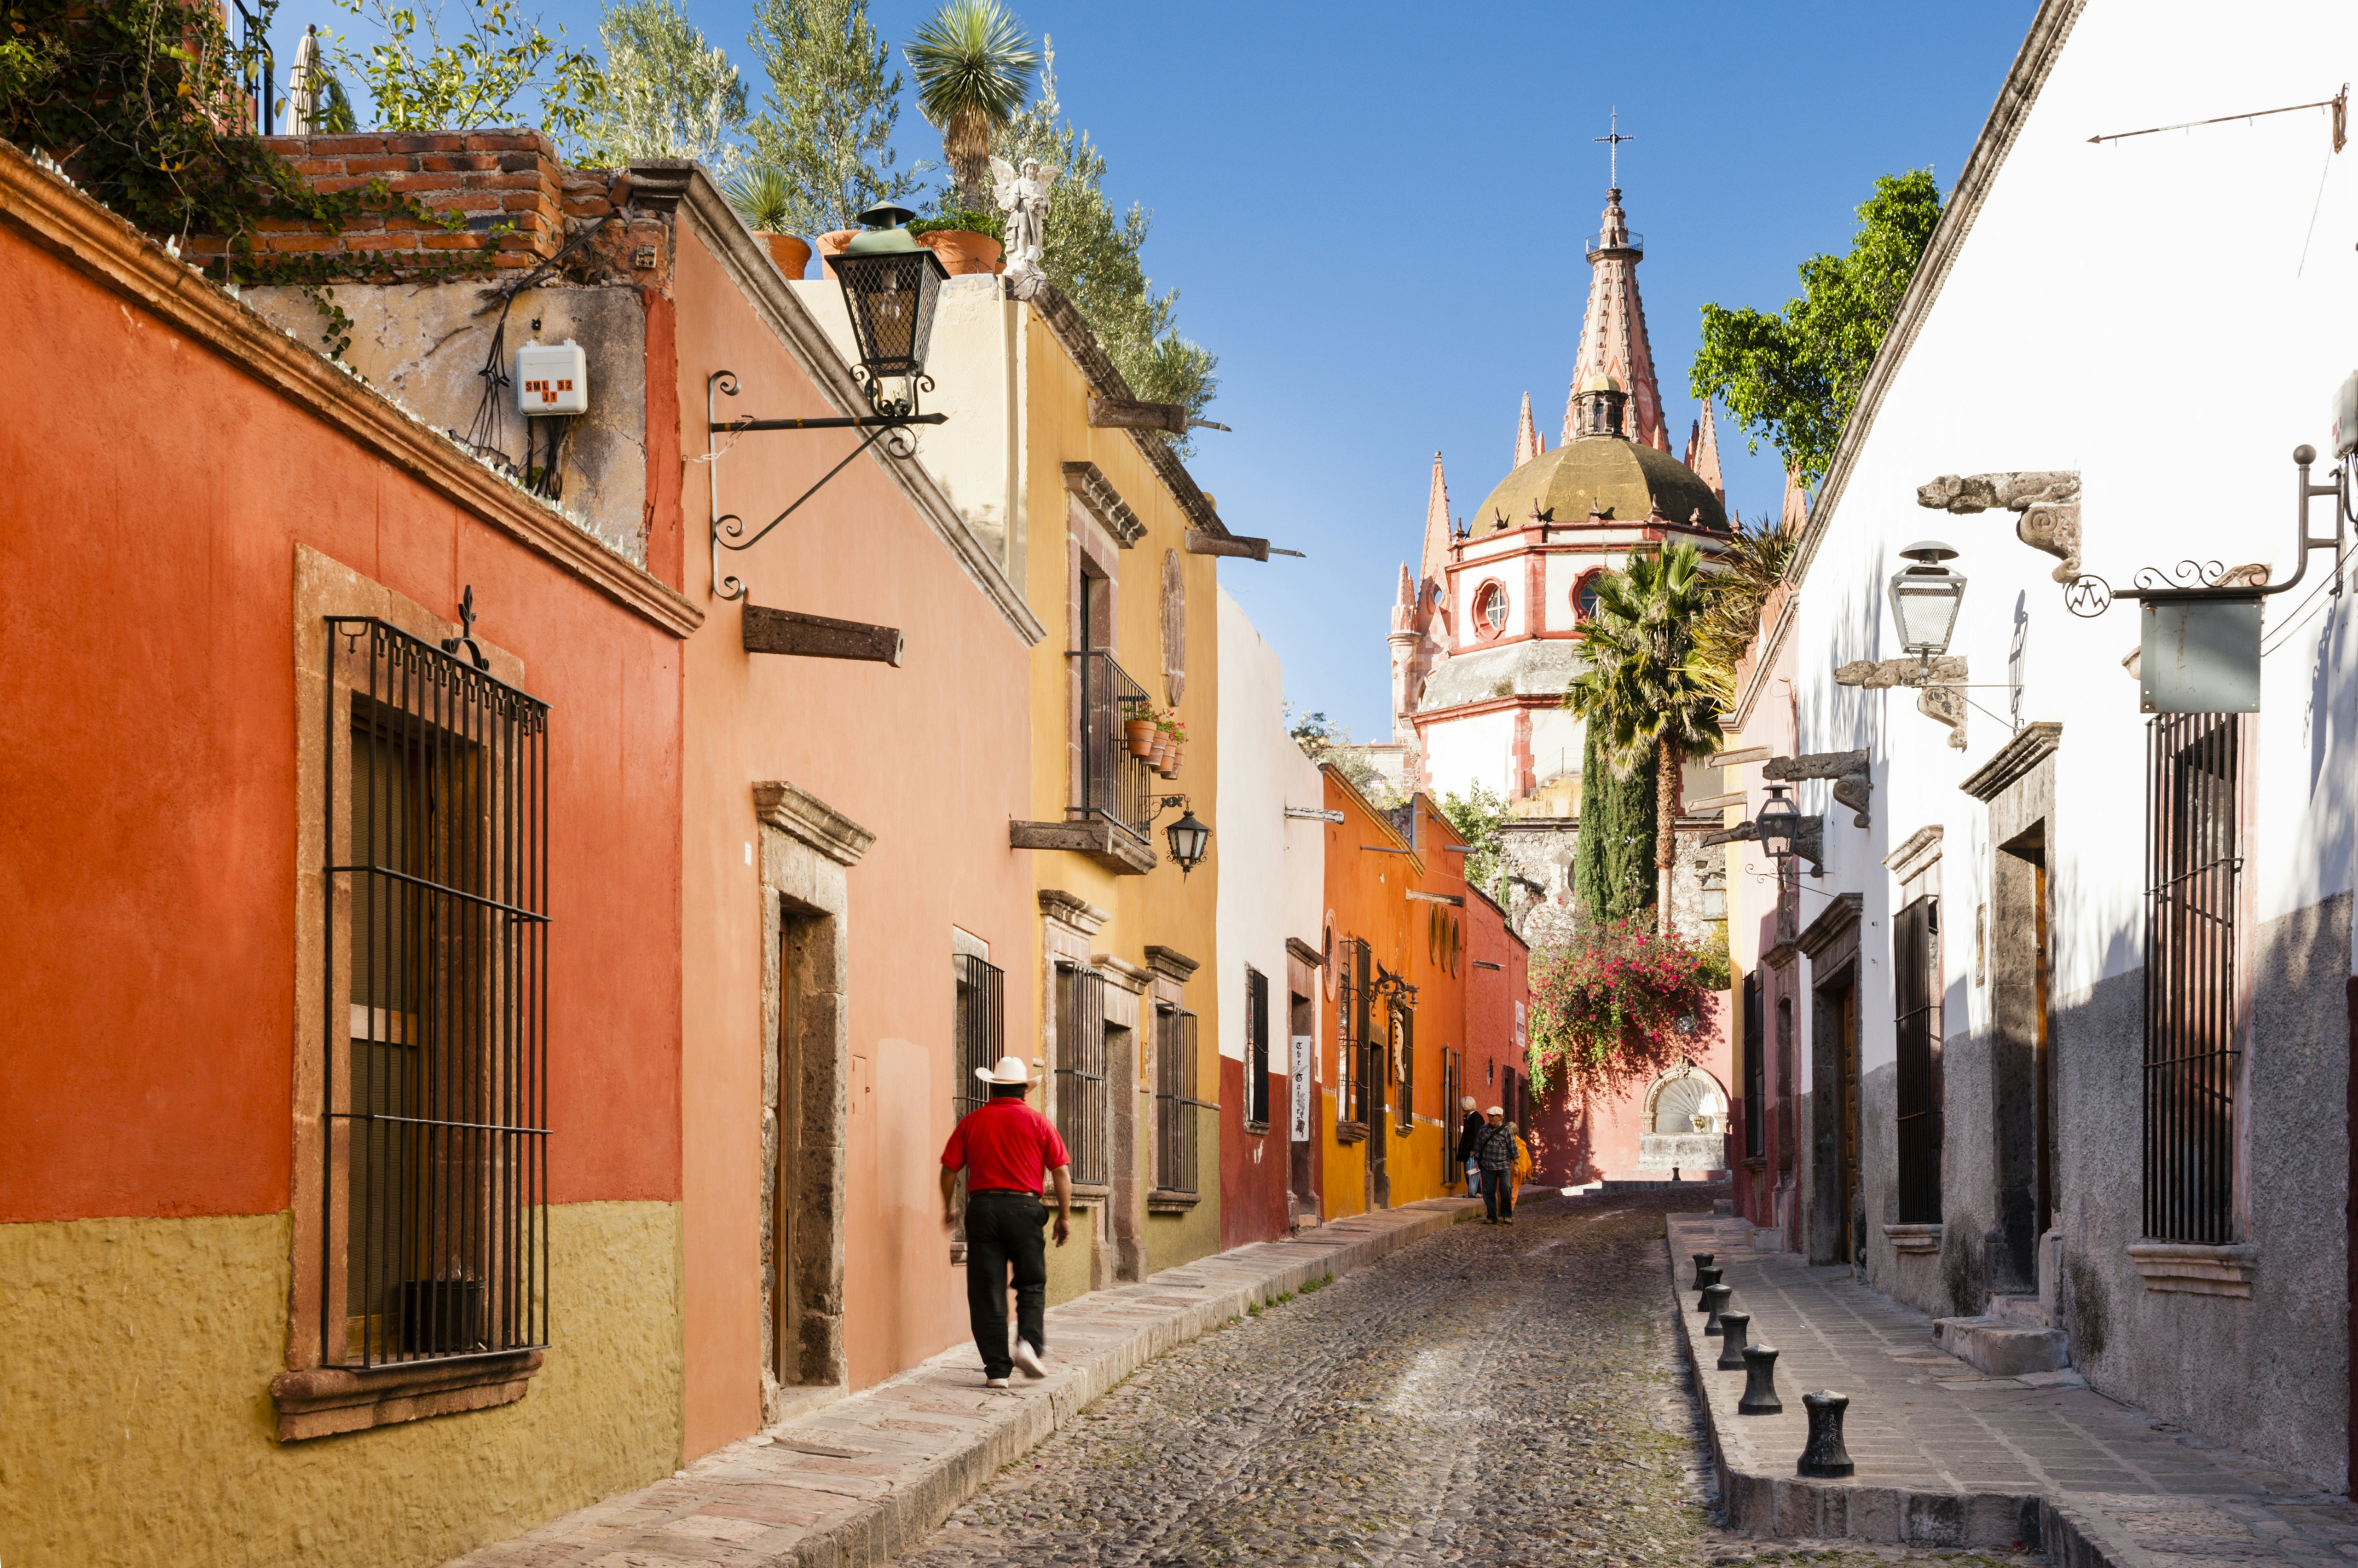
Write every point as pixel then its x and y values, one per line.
pixel 1435 563
pixel 1613 333
pixel 1702 452
pixel 1528 444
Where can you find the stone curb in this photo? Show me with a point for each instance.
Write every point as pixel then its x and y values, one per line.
pixel 771 1500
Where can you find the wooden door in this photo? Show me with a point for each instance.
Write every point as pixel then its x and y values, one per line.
pixel 1852 1207
pixel 2042 1060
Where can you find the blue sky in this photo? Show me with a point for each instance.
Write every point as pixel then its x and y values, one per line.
pixel 1374 213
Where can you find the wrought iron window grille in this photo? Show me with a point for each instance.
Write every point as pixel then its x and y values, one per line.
pixel 1256 1046
pixel 981 1024
pixel 1755 1087
pixel 434 1241
pixel 1083 1092
pixel 1915 938
pixel 1175 1102
pixel 2192 1056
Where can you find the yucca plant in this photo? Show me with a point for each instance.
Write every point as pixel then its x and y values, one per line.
pixel 765 197
pixel 1650 689
pixel 974 70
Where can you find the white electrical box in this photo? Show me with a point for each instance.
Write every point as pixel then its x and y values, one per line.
pixel 2345 418
pixel 552 378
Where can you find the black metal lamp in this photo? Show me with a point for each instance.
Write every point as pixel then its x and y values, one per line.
pixel 1776 824
pixel 1924 599
pixel 1190 841
pixel 891 286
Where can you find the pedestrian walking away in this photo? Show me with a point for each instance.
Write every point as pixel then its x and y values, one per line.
pixel 1008 1152
pixel 1468 1137
pixel 1522 1161
pixel 1495 1152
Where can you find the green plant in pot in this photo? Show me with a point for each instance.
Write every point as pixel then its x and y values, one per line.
pixel 1138 727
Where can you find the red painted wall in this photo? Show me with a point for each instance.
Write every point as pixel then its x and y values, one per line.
pixel 153 499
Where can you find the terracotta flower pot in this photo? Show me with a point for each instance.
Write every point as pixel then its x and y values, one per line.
pixel 832 243
pixel 789 250
pixel 1141 735
pixel 964 252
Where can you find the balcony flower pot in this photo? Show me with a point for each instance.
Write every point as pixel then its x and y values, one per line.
pixel 832 243
pixel 964 252
pixel 1140 732
pixel 789 250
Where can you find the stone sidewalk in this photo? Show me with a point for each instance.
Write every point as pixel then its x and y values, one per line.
pixel 1947 1456
pixel 865 1478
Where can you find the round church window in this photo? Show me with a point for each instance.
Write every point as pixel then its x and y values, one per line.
pixel 1494 608
pixel 1584 598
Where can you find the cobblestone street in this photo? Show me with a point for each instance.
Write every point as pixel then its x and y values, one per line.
pixel 1490 1395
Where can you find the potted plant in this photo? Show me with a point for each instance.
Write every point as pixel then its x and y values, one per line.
pixel 1138 724
pixel 1175 740
pixel 974 70
pixel 763 197
pixel 968 243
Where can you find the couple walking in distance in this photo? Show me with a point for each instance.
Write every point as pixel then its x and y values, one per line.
pixel 1008 1152
pixel 1496 1161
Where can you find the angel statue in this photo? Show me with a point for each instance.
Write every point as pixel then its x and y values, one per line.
pixel 1022 201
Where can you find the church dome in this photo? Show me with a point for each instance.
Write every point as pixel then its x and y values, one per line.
pixel 1602 474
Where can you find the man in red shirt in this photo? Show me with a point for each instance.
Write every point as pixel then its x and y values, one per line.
pixel 1007 1150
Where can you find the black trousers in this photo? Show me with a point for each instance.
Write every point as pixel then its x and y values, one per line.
pixel 1006 1230
pixel 1498 1194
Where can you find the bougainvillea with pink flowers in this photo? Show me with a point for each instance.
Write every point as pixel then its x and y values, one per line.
pixel 1617 1004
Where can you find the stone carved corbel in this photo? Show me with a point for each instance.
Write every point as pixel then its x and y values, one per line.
pixel 2049 502
pixel 1847 769
pixel 1937 701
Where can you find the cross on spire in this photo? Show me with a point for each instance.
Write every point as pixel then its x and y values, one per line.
pixel 1613 150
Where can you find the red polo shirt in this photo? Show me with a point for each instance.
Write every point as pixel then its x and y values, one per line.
pixel 1005 1146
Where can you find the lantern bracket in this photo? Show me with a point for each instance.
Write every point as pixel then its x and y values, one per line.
pixel 2089 595
pixel 889 425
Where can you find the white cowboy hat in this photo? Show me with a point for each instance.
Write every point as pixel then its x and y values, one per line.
pixel 1010 1070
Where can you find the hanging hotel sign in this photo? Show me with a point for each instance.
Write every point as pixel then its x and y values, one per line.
pixel 1303 1045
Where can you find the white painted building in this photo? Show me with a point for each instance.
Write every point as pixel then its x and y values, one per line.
pixel 2127 1117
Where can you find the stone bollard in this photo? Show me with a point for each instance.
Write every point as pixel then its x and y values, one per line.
pixel 1702 1261
pixel 1704 1278
pixel 1824 1454
pixel 1714 1302
pixel 1733 1326
pixel 1759 1382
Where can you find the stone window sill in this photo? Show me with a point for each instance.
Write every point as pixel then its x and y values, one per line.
pixel 1906 1238
pixel 2190 1269
pixel 1170 1200
pixel 1350 1132
pixel 319 1402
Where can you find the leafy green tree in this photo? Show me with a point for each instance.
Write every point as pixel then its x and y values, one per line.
pixel 1091 254
pixel 974 71
pixel 1478 816
pixel 1612 879
pixel 822 147
pixel 498 68
pixel 665 93
pixel 1792 379
pixel 1647 688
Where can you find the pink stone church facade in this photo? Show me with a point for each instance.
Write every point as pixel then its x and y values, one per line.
pixel 1483 643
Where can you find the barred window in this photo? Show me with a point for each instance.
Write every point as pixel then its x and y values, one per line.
pixel 1915 938
pixel 2193 854
pixel 1365 1062
pixel 979 1017
pixel 433 1231
pixel 1256 1047
pixel 1756 1096
pixel 1084 1095
pixel 1176 1104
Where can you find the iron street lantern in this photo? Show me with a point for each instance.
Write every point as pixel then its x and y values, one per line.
pixel 1924 599
pixel 1190 839
pixel 891 286
pixel 1777 825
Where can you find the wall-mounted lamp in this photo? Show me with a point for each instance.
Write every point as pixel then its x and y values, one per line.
pixel 1190 839
pixel 1776 824
pixel 891 286
pixel 1924 599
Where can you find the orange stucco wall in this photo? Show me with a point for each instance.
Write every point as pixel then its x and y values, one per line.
pixel 152 501
pixel 931 757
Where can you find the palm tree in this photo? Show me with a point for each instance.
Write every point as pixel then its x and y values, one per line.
pixel 974 70
pixel 1653 693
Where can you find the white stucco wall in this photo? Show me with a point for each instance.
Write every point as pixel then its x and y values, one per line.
pixel 1273 866
pixel 1476 747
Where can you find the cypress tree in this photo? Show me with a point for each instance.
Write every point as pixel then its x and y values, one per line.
pixel 1612 857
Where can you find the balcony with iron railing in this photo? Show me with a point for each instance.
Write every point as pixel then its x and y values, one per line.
pixel 1110 816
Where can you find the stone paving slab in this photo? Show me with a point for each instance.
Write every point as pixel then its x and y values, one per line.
pixel 1947 1456
pixel 865 1478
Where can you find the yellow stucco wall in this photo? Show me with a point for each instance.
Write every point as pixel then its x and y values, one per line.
pixel 136 1427
pixel 1159 907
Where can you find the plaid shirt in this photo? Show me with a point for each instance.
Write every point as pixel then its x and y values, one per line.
pixel 1495 1150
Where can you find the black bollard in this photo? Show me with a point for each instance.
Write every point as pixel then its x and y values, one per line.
pixel 1714 1302
pixel 1702 1261
pixel 1824 1454
pixel 1759 1382
pixel 1704 1280
pixel 1733 1326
